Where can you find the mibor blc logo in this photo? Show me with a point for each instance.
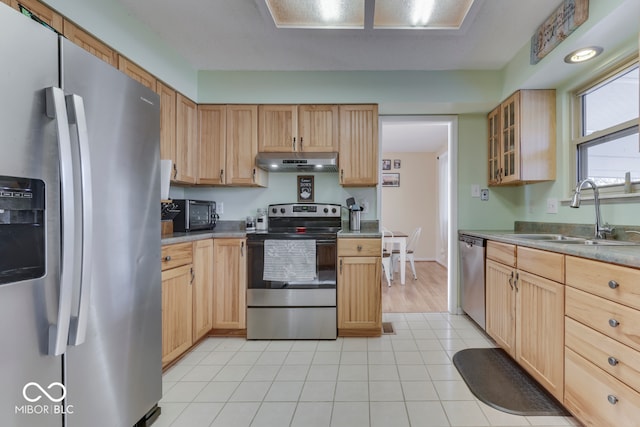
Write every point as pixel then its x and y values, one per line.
pixel 53 394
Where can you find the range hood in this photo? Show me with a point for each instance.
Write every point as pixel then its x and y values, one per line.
pixel 298 162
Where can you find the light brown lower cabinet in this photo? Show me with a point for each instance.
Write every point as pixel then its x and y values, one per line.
pixel 359 296
pixel 229 285
pixel 202 288
pixel 596 398
pixel 177 307
pixel 602 353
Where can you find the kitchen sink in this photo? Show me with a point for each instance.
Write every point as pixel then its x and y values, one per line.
pixel 569 240
pixel 578 241
pixel 550 237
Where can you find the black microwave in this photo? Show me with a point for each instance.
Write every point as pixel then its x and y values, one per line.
pixel 195 215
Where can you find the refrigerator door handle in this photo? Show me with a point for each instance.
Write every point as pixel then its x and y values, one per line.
pixel 77 117
pixel 56 109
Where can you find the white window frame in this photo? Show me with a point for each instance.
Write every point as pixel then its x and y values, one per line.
pixel 614 191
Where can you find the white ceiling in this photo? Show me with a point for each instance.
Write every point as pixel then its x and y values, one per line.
pixel 413 135
pixel 241 35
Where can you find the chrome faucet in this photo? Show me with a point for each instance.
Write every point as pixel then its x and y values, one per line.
pixel 601 231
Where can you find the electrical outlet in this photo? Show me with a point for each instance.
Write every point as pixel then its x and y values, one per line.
pixel 365 206
pixel 552 206
pixel 484 194
pixel 475 190
pixel 219 207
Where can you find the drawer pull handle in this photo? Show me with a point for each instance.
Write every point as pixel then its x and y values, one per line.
pixel 167 258
pixel 612 399
pixel 613 284
pixel 613 323
pixel 359 248
pixel 612 361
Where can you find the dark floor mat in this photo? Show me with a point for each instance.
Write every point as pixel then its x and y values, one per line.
pixel 497 380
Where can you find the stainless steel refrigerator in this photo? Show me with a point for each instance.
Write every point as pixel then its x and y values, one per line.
pixel 80 284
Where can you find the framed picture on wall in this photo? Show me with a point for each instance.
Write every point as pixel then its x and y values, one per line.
pixel 305 188
pixel 391 180
pixel 386 164
pixel 396 164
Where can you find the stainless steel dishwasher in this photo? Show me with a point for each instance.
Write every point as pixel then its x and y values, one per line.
pixel 472 294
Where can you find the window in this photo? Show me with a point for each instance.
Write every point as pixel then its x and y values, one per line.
pixel 607 144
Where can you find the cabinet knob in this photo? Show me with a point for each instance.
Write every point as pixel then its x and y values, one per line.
pixel 612 361
pixel 359 248
pixel 613 284
pixel 612 399
pixel 167 258
pixel 613 323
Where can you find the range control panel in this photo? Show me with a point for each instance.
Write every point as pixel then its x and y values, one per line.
pixel 305 210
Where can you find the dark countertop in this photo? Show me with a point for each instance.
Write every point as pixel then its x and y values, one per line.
pixel 623 255
pixel 236 229
pixel 224 229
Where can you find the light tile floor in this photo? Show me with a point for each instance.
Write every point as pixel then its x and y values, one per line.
pixel 406 379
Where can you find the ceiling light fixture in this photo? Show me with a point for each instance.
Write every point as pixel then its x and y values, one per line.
pixel 583 54
pixel 420 14
pixel 422 11
pixel 329 14
pixel 330 11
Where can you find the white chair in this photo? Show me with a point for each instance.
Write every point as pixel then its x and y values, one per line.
pixel 386 256
pixel 411 244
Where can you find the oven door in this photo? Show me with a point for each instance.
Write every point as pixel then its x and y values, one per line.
pixel 292 309
pixel 326 261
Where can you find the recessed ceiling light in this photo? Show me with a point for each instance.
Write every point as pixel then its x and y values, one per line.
pixel 583 54
pixel 317 13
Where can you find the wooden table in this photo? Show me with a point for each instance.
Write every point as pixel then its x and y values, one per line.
pixel 401 239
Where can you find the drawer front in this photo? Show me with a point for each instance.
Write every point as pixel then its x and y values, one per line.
pixel 176 255
pixel 541 263
pixel 502 252
pixel 609 355
pixel 359 247
pixel 588 391
pixel 610 281
pixel 614 320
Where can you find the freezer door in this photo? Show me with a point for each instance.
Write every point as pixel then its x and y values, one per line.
pixel 29 149
pixel 114 373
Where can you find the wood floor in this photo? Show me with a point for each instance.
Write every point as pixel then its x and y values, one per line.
pixel 428 294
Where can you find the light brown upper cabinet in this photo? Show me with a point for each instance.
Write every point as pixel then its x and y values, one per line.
pixel 296 128
pixel 228 146
pixel 358 153
pixel 242 147
pixel 522 138
pixel 137 73
pixel 43 12
pixel 168 126
pixel 90 43
pixel 212 120
pixel 186 140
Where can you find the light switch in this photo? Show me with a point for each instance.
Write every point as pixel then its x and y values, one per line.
pixel 552 206
pixel 475 190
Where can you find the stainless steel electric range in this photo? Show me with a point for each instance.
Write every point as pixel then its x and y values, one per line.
pixel 292 273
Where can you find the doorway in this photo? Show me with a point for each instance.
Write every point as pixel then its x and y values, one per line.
pixel 419 189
